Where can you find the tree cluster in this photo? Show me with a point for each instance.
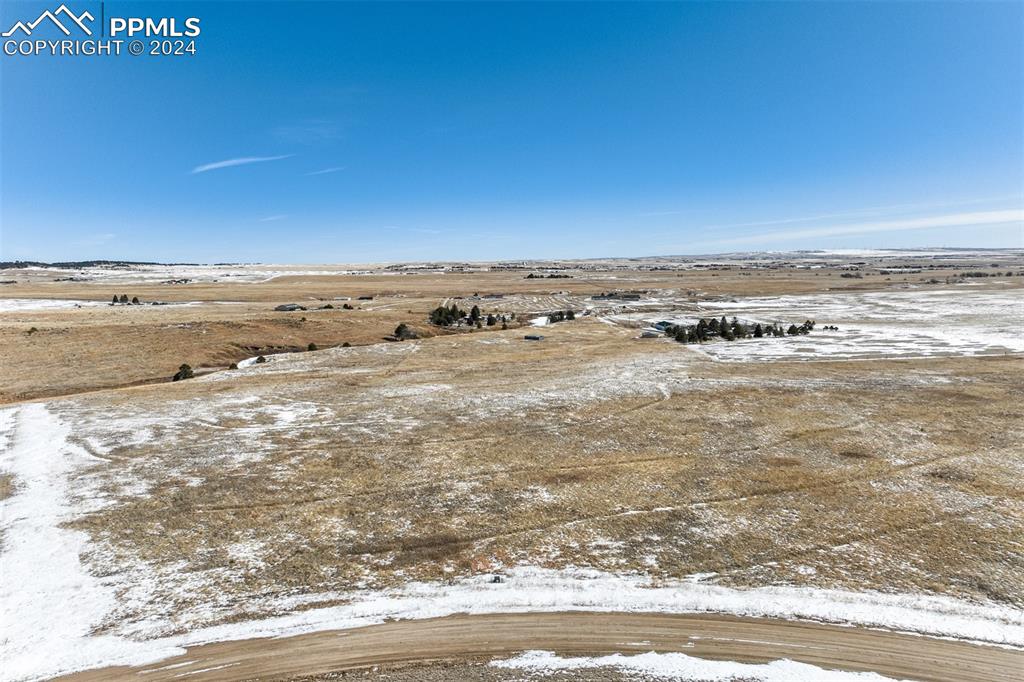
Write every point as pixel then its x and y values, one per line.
pixel 705 330
pixel 561 316
pixel 452 315
pixel 446 317
pixel 123 298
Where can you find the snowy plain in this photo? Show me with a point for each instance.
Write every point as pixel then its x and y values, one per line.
pixel 52 603
pixel 899 324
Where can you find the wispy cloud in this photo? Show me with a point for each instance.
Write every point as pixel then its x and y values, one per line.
pixel 325 171
pixel 272 218
pixel 241 161
pixel 976 218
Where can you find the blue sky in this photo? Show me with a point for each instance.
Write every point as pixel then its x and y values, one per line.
pixel 346 132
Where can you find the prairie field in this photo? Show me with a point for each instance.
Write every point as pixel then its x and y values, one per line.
pixel 881 458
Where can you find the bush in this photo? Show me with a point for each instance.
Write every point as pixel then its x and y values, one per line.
pixel 260 360
pixel 312 346
pixel 403 332
pixel 233 365
pixel 135 300
pixel 346 345
pixel 184 372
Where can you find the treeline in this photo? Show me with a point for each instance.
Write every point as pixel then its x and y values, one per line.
pixel 706 330
pixel 13 264
pixel 453 316
pixel 533 275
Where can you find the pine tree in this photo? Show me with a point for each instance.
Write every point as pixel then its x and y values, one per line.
pixel 758 332
pixel 474 314
pixel 114 301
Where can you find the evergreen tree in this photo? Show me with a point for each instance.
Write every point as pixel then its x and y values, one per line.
pixel 474 314
pixel 491 320
pixel 570 315
pixel 758 332
pixel 123 299
pixel 135 300
pixel 114 301
pixel 184 372
pixel 792 331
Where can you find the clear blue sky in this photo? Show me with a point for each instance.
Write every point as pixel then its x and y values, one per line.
pixel 485 130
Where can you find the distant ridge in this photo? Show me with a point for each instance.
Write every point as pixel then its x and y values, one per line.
pixel 14 264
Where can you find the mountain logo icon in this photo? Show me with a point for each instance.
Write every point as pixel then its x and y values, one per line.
pixel 76 20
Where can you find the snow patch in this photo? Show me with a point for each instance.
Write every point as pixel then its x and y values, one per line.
pixel 678 666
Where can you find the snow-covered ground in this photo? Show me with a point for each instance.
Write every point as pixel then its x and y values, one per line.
pixel 13 305
pixel 196 273
pixel 677 666
pixel 911 323
pixel 53 599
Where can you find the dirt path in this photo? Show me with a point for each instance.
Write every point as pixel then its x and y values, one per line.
pixel 463 637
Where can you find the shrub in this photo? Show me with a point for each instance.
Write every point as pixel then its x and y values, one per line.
pixel 403 332
pixel 184 372
pixel 312 346
pixel 260 360
pixel 346 345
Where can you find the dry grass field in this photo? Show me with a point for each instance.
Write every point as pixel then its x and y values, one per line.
pixel 294 484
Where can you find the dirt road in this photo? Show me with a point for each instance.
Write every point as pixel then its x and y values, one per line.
pixel 462 637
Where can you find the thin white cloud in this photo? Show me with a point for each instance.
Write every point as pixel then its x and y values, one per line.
pixel 977 218
pixel 242 161
pixel 325 171
pixel 272 218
